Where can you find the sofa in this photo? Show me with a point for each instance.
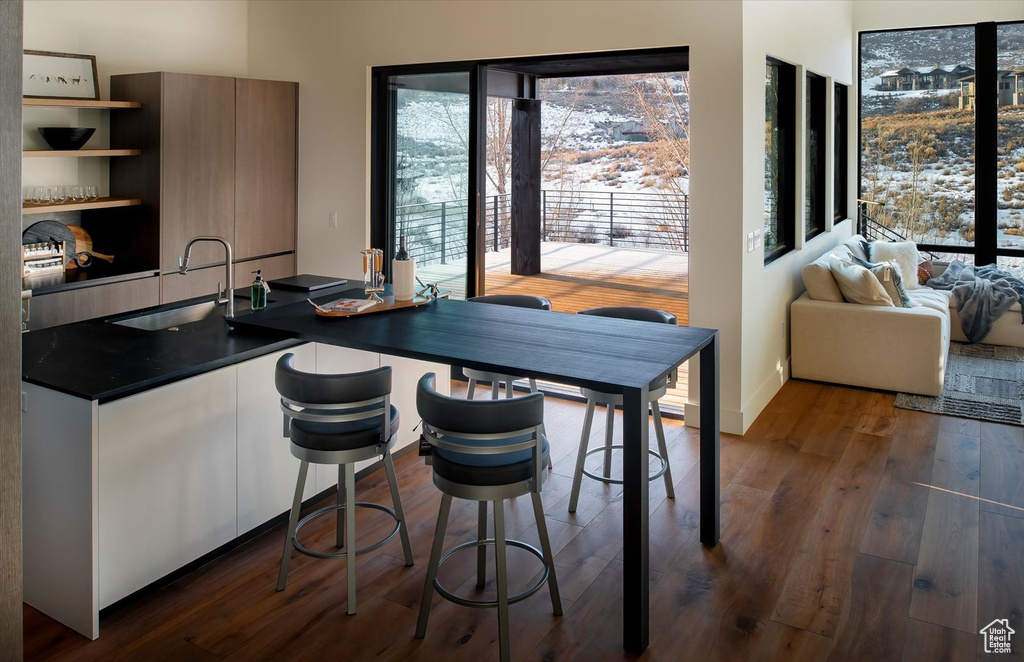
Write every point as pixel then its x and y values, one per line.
pixel 881 347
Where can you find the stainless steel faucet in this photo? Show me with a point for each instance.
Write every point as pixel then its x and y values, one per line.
pixel 229 293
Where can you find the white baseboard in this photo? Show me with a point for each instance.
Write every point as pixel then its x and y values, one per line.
pixel 737 422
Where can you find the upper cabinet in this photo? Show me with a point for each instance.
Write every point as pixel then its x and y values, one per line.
pixel 218 158
pixel 266 117
pixel 197 173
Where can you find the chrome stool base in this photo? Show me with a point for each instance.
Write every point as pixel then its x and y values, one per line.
pixel 490 604
pixel 618 481
pixel 299 547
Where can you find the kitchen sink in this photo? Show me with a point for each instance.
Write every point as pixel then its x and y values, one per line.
pixel 172 318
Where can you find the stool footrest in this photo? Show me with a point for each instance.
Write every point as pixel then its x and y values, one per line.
pixel 486 604
pixel 299 547
pixel 618 481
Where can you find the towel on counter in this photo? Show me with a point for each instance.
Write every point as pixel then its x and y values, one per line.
pixel 981 295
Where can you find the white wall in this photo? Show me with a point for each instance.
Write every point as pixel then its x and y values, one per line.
pixel 330 47
pixel 191 36
pixel 819 38
pixel 885 14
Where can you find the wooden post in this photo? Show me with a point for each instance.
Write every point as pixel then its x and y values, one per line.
pixel 11 639
pixel 526 187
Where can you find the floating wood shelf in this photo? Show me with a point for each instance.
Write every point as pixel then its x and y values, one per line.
pixel 81 153
pixel 79 103
pixel 101 203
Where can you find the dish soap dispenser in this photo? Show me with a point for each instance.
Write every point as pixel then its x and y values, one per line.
pixel 403 274
pixel 258 298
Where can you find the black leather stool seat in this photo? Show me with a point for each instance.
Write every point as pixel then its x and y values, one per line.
pixel 340 436
pixel 500 469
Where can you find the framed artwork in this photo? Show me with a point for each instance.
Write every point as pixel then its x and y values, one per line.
pixel 48 75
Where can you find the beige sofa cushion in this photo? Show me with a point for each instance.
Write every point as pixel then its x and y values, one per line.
pixel 858 284
pixel 820 284
pixel 818 280
pixel 929 298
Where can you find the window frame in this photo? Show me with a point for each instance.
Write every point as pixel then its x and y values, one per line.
pixel 840 151
pixel 786 221
pixel 816 119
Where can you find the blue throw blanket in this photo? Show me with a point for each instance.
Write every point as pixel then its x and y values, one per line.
pixel 981 295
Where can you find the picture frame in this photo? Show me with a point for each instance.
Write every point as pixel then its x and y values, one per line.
pixel 47 75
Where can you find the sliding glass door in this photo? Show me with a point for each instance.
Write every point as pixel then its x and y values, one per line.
pixel 426 130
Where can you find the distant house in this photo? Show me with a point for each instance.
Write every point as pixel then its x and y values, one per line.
pixel 908 79
pixel 1010 84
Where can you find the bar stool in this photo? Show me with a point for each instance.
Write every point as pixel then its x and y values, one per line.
pixel 611 400
pixel 339 419
pixel 486 450
pixel 496 379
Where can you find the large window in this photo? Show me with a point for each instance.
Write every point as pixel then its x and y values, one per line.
pixel 779 169
pixel 840 149
pixel 814 155
pixel 942 134
pixel 1010 146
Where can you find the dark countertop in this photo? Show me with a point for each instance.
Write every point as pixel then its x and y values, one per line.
pixel 97 360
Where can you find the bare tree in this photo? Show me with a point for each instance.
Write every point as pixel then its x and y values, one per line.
pixel 667 125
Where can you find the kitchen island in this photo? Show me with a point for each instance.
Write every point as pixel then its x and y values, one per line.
pixel 147 450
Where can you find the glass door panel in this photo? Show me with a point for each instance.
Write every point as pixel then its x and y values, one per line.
pixel 429 175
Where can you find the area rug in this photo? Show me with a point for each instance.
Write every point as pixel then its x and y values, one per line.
pixel 982 381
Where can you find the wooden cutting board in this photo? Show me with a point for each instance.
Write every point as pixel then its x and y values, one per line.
pixel 83 243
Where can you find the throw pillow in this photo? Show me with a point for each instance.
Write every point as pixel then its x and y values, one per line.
pixel 903 253
pixel 857 284
pixel 924 272
pixel 888 274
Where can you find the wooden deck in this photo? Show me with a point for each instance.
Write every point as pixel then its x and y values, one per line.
pixel 580 276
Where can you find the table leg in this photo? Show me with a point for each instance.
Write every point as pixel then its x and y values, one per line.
pixel 710 528
pixel 635 501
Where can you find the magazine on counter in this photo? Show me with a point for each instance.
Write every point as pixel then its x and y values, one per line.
pixel 346 305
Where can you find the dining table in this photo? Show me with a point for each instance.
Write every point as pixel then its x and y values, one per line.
pixel 605 354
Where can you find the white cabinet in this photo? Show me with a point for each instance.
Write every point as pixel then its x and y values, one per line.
pixel 405 374
pixel 118 495
pixel 166 485
pixel 266 467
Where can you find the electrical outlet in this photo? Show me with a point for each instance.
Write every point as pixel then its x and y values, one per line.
pixel 332 219
pixel 757 239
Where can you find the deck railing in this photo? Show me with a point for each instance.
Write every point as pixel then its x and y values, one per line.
pixel 436 231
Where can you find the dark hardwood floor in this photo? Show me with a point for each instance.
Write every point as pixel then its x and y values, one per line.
pixel 851 530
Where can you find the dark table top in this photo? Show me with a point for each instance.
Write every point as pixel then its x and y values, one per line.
pixel 574 349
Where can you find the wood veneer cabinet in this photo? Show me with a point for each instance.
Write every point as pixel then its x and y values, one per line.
pixel 219 158
pixel 88 302
pixel 266 117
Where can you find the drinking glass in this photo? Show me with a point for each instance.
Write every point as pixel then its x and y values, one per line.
pixel 91 193
pixel 42 195
pixel 59 194
pixel 77 194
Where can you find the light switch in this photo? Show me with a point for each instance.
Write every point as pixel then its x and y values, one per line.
pixel 750 242
pixel 332 219
pixel 757 239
